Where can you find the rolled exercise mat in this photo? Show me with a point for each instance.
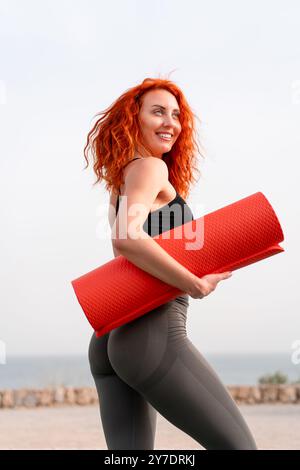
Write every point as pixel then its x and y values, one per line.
pixel 232 237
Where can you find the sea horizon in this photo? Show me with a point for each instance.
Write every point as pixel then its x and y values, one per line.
pixel 73 370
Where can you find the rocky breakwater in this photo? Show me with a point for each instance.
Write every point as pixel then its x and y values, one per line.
pixel 62 396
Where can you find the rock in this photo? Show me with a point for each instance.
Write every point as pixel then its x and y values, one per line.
pixel 255 395
pixel 20 396
pixel 297 388
pixel 244 394
pixel 287 394
pixel 70 396
pixel 8 399
pixel 59 395
pixel 31 399
pixel 241 393
pixel 83 396
pixel 269 393
pixel 45 397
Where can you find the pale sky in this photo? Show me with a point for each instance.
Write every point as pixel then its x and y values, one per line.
pixel 238 64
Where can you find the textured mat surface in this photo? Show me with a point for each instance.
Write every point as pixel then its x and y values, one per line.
pixel 229 238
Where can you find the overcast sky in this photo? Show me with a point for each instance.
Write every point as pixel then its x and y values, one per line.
pixel 238 64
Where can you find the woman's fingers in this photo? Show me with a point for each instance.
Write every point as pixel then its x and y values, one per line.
pixel 226 275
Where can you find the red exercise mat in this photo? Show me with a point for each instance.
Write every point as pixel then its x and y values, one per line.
pixel 227 239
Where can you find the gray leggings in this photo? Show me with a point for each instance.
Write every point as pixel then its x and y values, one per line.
pixel 150 365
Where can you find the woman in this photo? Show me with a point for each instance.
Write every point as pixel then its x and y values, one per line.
pixel 149 364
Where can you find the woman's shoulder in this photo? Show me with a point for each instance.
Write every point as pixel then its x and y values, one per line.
pixel 145 164
pixel 146 167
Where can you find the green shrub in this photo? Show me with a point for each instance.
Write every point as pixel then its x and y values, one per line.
pixel 276 378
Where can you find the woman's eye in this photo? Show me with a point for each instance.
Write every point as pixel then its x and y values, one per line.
pixel 160 111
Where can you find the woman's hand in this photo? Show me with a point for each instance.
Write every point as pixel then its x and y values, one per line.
pixel 203 286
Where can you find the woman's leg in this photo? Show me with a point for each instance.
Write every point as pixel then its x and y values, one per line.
pixel 128 420
pixel 153 355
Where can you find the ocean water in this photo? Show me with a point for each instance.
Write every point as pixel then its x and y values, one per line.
pixel 44 371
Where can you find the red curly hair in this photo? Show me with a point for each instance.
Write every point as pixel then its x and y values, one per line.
pixel 114 137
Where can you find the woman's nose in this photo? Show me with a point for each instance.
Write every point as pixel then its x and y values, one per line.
pixel 170 121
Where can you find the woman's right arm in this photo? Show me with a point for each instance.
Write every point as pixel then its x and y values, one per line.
pixel 143 182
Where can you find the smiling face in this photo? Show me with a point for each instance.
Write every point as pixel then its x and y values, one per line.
pixel 159 114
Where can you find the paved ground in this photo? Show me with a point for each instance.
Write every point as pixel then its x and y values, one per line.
pixel 273 427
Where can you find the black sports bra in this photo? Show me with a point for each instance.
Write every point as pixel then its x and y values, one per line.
pixel 165 218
